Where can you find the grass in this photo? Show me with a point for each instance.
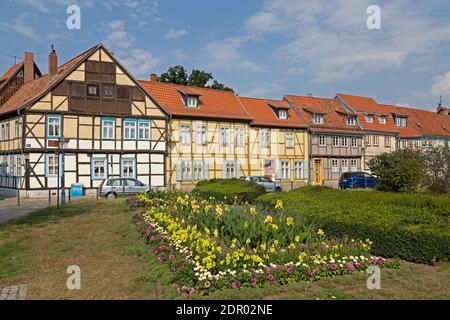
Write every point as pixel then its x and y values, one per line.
pixel 116 263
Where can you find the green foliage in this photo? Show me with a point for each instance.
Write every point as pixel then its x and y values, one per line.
pixel 436 163
pixel 414 227
pixel 198 78
pixel 229 190
pixel 401 170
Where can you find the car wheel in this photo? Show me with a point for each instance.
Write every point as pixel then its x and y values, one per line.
pixel 111 195
pixel 277 189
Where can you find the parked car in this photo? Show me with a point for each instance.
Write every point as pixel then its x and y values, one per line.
pixel 357 180
pixel 112 188
pixel 270 185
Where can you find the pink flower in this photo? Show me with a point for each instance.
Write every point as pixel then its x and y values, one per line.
pixel 310 273
pixel 333 267
pixel 381 260
pixel 373 260
pixel 253 281
pixel 160 259
pixel 155 251
pixel 171 257
pixel 289 270
pixel 350 267
pixel 207 284
pixel 270 277
pixel 359 265
pixel 234 285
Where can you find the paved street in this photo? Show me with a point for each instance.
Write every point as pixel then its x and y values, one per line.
pixel 14 292
pixel 9 209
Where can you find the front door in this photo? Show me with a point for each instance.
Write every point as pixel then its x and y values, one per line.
pixel 318 172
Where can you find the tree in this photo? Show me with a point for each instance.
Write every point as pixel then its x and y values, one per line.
pixel 437 166
pixel 401 170
pixel 176 74
pixel 220 86
pixel 199 78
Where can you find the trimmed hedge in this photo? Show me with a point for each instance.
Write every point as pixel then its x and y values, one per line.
pixel 229 190
pixel 413 227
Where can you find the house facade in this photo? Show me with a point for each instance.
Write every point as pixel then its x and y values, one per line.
pixel 335 138
pixel 85 121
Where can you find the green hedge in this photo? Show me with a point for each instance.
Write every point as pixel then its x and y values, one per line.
pixel 414 227
pixel 229 190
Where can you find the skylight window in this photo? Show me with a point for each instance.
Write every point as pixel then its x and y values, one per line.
pixel 192 102
pixel 400 122
pixel 282 114
pixel 351 120
pixel 382 120
pixel 369 119
pixel 318 119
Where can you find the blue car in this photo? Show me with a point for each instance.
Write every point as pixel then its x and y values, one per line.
pixel 357 180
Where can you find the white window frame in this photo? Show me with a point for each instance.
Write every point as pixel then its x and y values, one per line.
pixel 185 135
pixel 335 141
pixel 354 142
pixel 298 170
pixel 382 120
pixel 52 159
pixel 125 168
pixel 108 127
pixel 230 171
pixel 334 165
pixel 144 130
pixel 353 165
pixel 401 122
pixel 130 129
pixel 322 141
pixel 200 135
pixel 16 129
pixel 54 126
pixel 376 140
pixel 192 102
pixel 239 137
pixel 344 142
pixel 290 140
pixel 351 120
pixel 282 114
pixel 344 165
pixel 94 161
pixel 318 118
pixel 225 136
pixel 368 139
pixel 285 170
pixel 369 118
pixel 265 138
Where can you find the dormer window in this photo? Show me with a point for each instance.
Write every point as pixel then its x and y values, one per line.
pixel 369 119
pixel 351 120
pixel 318 119
pixel 382 120
pixel 400 122
pixel 282 114
pixel 192 102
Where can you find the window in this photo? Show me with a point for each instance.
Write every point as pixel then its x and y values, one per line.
pixel 265 138
pixel 351 120
pixel 344 165
pixel 416 144
pixel 344 142
pixel 143 130
pixel 354 164
pixel 322 141
pixel 225 136
pixel 4 131
pixel 298 170
pixel 77 90
pixel 285 170
pixel 334 165
pixel 335 141
pixel 92 90
pixel 230 169
pixel 369 119
pixel 375 140
pixel 318 118
pixel 387 141
pixel 12 168
pixel 53 126
pixel 192 170
pixel 19 166
pixel 367 140
pixel 17 129
pixel 128 168
pixel 424 144
pixel 289 139
pixel 282 114
pixel 239 137
pixel 192 102
pixel 354 142
pixel 186 170
pixel 99 168
pixel 185 135
pixel 129 129
pixel 382 120
pixel 201 135
pixel 400 121
pixel 404 143
pixel 123 93
pixel 51 165
pixel 108 92
pixel 200 170
pixel 108 128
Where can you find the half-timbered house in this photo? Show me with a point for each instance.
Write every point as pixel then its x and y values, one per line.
pixel 85 121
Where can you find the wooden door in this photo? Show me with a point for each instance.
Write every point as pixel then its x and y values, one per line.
pixel 318 172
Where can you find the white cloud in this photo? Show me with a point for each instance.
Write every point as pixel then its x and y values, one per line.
pixel 36 4
pixel 19 26
pixel 225 55
pixel 441 86
pixel 118 37
pixel 176 34
pixel 139 62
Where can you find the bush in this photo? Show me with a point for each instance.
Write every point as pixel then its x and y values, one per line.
pixel 413 227
pixel 401 170
pixel 436 162
pixel 229 190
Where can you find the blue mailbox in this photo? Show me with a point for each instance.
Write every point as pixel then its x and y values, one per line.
pixel 76 190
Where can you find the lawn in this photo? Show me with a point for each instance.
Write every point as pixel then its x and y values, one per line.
pixel 116 263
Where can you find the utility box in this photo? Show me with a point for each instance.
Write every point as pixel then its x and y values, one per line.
pixel 76 190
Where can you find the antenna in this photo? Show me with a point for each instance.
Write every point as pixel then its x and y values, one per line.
pixel 10 56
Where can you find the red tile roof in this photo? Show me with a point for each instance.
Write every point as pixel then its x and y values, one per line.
pixel 263 113
pixel 37 88
pixel 216 104
pixel 11 71
pixel 368 106
pixel 421 122
pixel 333 111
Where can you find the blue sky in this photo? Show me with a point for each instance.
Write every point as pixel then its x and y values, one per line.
pixel 260 48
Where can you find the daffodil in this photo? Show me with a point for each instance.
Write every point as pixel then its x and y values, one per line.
pixel 289 221
pixel 268 219
pixel 320 232
pixel 279 204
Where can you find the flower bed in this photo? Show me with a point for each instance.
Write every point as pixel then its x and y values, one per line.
pixel 211 245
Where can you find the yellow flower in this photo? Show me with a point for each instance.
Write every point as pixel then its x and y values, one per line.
pixel 289 221
pixel 253 211
pixel 247 241
pixel 279 204
pixel 297 239
pixel 219 211
pixel 268 219
pixel 320 232
pixel 216 233
pixel 263 246
pixel 274 226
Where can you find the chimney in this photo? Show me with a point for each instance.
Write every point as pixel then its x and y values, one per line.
pixel 28 67
pixel 52 63
pixel 154 77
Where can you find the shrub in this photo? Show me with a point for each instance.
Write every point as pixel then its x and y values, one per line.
pixel 401 170
pixel 436 163
pixel 414 227
pixel 229 190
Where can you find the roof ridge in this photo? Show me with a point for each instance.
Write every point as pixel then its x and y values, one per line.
pixel 185 85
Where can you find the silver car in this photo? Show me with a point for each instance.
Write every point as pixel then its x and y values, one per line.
pixel 270 185
pixel 112 188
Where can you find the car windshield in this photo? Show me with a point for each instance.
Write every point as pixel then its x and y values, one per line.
pixel 264 179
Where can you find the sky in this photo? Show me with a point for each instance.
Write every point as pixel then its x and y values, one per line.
pixel 260 48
